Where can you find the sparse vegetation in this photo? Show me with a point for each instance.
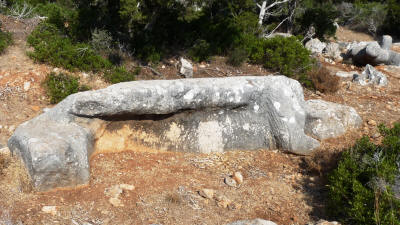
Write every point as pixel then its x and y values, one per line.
pixel 59 86
pixel 5 40
pixel 323 80
pixel 51 46
pixel 120 74
pixel 365 187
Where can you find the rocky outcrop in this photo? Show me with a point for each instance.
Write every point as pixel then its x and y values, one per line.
pixel 332 50
pixel 371 76
pixel 327 120
pixel 192 115
pixel 374 54
pixel 315 46
pixel 253 222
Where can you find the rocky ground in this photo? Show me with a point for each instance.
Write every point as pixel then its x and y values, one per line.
pixel 148 188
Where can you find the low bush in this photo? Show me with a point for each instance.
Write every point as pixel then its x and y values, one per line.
pixel 365 187
pixel 120 74
pixel 200 51
pixel 59 86
pixel 51 46
pixel 322 18
pixel 5 40
pixel 237 56
pixel 323 80
pixel 392 21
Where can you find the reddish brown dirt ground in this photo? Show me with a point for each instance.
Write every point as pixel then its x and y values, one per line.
pixel 284 188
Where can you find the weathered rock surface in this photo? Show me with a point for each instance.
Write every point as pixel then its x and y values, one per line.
pixel 193 115
pixel 386 42
pixel 345 74
pixel 186 68
pixel 333 51
pixel 371 76
pixel 374 54
pixel 327 120
pixel 315 46
pixel 253 222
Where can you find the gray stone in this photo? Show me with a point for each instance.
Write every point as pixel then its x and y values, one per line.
pixel 332 51
pixel 386 42
pixel 192 115
pixel 345 74
pixel 372 53
pixel 253 222
pixel 327 120
pixel 315 46
pixel 371 76
pixel 186 68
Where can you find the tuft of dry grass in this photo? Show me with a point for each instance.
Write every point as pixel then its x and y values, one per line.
pixel 324 81
pixel 174 198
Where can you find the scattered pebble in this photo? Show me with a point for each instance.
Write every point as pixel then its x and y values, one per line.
pixel 230 181
pixel 207 193
pixel 50 210
pixel 372 122
pixel 238 177
pixel 27 86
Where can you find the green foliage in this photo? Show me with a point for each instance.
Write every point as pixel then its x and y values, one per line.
pixel 364 186
pixel 5 40
pixel 200 51
pixel 237 57
pixel 120 74
pixel 59 86
pixel 322 17
pixel 51 46
pixel 283 54
pixel 392 21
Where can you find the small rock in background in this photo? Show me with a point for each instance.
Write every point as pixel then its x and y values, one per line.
pixel 27 86
pixel 222 201
pixel 207 193
pixel 333 51
pixel 386 42
pixel 345 74
pixel 234 206
pixel 115 192
pixel 238 177
pixel 371 76
pixel 372 122
pixel 50 210
pixel 186 68
pixel 315 46
pixel 230 181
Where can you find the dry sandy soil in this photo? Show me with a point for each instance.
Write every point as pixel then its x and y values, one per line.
pixel 284 188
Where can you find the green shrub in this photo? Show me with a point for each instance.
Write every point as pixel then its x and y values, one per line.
pixel 283 54
pixel 392 21
pixel 237 57
pixel 120 74
pixel 59 86
pixel 5 40
pixel 322 17
pixel 51 46
pixel 200 51
pixel 364 188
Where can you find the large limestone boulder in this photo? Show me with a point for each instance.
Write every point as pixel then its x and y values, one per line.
pixel 191 115
pixel 327 120
pixel 253 222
